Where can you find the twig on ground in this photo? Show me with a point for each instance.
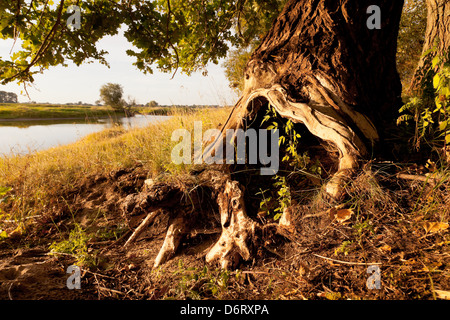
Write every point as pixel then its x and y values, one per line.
pixel 111 290
pixel 348 262
pixel 417 178
pixel 149 219
pixel 9 291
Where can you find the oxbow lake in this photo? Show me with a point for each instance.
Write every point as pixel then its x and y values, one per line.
pixel 26 136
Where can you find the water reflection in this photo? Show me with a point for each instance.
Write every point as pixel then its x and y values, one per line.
pixel 22 137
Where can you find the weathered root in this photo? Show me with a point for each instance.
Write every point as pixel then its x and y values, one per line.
pixel 176 231
pixel 237 228
pixel 324 115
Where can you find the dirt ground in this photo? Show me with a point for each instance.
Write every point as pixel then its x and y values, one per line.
pixel 324 255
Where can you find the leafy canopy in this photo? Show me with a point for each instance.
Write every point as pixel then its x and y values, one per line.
pixel 166 34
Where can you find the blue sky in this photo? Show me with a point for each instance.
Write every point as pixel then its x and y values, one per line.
pixel 73 84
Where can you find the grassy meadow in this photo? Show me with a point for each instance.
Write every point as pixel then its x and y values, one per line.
pixel 50 111
pixel 11 111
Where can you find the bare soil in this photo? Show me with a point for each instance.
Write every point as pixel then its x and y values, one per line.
pixel 320 258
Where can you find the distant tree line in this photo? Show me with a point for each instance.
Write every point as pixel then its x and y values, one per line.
pixel 111 94
pixel 151 105
pixel 8 97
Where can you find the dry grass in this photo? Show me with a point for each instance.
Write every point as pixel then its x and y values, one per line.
pixel 38 178
pixel 391 225
pixel 34 111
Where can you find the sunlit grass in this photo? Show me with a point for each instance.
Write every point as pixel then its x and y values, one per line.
pixel 38 178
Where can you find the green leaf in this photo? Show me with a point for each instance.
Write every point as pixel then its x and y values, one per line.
pixel 265 119
pixel 447 139
pixel 436 60
pixel 404 118
pixel 445 91
pixel 3 235
pixel 438 104
pixel 427 52
pixel 4 190
pixel 436 81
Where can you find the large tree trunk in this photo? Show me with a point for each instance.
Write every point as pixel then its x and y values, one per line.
pixel 321 66
pixel 437 36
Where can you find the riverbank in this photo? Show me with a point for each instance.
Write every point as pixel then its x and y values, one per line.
pixel 29 111
pixel 52 111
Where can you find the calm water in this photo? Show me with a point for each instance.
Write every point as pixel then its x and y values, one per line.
pixel 21 137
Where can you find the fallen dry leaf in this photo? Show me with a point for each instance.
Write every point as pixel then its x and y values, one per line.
pixel 434 226
pixel 343 215
pixel 386 248
pixel 442 294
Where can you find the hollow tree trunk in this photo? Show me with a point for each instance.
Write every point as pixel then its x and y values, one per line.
pixel 436 33
pixel 322 66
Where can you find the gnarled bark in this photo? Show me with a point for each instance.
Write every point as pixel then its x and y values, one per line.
pixel 183 203
pixel 319 65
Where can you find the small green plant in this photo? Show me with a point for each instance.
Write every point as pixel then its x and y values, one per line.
pixel 197 283
pixel 109 233
pixel 277 202
pixel 343 248
pixel 75 245
pixel 277 199
pixel 3 192
pixel 360 227
pixel 289 138
pixel 274 201
pixel 283 196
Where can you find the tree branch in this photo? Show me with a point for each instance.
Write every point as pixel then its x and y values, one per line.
pixel 45 44
pixel 169 13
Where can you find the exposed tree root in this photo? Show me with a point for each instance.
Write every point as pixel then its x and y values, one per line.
pixel 238 229
pixel 325 116
pixel 178 227
pixel 148 220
